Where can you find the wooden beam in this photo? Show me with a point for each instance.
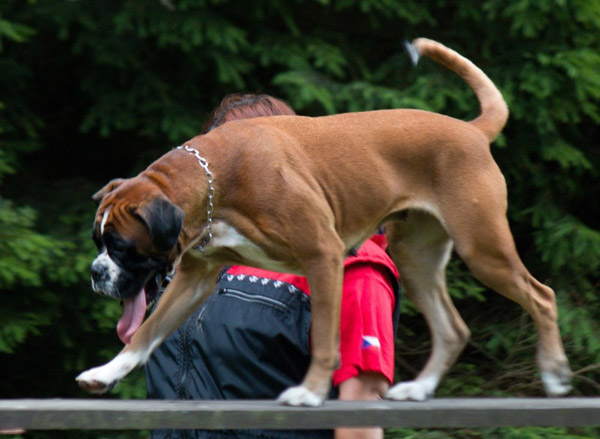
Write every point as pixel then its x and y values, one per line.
pixel 110 414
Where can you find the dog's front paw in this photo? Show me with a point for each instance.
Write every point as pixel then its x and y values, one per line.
pixel 411 391
pixel 92 381
pixel 300 396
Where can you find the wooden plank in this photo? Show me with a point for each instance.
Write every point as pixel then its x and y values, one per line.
pixel 107 414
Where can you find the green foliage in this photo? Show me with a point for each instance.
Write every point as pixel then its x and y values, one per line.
pixel 495 433
pixel 93 90
pixel 14 31
pixel 25 254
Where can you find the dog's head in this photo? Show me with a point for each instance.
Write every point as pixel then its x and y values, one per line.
pixel 136 231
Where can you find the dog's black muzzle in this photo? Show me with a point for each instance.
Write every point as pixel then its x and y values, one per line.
pixel 113 279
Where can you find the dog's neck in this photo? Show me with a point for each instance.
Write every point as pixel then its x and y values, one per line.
pixel 203 163
pixel 194 181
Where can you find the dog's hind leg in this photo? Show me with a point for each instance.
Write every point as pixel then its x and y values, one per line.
pixel 482 238
pixel 421 250
pixel 488 249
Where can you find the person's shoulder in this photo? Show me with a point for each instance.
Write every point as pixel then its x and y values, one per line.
pixel 299 282
pixel 373 252
pixel 372 248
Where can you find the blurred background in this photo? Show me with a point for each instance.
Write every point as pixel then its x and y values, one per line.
pixel 92 90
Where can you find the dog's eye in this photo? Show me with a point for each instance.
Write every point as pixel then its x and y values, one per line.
pixel 116 252
pixel 120 250
pixel 116 246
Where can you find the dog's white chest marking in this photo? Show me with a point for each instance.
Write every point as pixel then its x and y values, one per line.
pixel 226 236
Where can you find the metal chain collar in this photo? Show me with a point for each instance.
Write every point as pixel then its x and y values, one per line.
pixel 211 192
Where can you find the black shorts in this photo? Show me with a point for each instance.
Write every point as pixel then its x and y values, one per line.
pixel 250 340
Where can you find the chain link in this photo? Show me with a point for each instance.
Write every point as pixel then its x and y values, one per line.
pixel 211 193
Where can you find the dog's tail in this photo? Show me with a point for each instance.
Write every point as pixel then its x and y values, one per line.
pixel 494 111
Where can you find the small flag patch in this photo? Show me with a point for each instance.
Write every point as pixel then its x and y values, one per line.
pixel 369 341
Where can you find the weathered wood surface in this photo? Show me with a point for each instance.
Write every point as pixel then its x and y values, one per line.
pixel 106 414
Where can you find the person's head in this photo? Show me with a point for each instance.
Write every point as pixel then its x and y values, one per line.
pixel 244 106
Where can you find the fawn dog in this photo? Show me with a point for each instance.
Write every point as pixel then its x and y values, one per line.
pixel 297 194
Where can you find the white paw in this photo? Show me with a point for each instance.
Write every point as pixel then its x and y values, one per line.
pixel 557 384
pixel 103 378
pixel 95 381
pixel 300 396
pixel 418 390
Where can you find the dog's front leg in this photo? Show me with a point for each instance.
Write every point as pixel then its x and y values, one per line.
pixel 325 276
pixel 191 285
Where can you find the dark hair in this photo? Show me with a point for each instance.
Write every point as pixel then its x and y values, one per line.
pixel 244 106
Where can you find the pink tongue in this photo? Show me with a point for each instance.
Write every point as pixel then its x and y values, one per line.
pixel 134 311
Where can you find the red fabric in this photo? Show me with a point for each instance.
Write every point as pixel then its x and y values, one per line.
pixel 368 299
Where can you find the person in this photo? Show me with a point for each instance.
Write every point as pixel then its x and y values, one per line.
pixel 250 339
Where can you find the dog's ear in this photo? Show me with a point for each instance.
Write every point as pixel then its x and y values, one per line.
pixel 164 221
pixel 111 186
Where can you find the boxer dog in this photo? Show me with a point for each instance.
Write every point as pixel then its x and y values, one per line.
pixel 297 194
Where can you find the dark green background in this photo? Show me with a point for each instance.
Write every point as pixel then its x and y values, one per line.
pixel 93 90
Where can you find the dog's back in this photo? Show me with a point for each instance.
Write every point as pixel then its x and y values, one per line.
pixel 336 149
